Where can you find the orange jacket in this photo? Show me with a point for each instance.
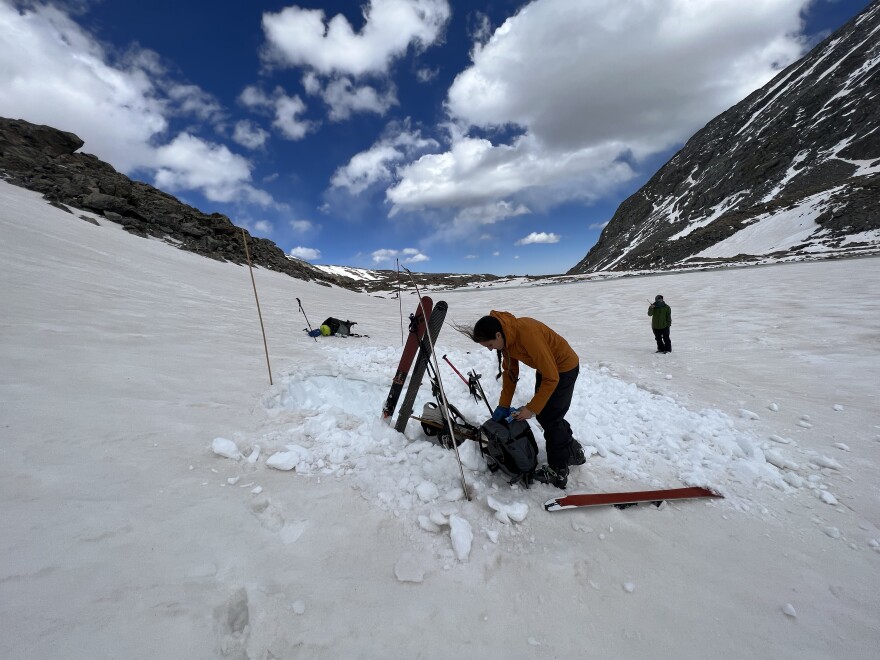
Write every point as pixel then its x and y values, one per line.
pixel 537 346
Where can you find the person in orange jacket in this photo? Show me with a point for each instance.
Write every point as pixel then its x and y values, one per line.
pixel 531 342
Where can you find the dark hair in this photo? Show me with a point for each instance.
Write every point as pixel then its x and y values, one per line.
pixel 484 330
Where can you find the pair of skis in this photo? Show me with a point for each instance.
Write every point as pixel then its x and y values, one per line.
pixel 428 318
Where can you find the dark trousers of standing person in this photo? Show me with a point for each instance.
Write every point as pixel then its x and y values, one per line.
pixel 663 342
pixel 561 445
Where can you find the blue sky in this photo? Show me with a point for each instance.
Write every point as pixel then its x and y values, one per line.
pixel 481 136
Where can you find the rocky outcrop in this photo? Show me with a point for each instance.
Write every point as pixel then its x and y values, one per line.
pixel 45 160
pixel 802 155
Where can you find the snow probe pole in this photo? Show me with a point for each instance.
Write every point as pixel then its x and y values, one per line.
pixel 442 394
pixel 305 317
pixel 400 303
pixel 259 313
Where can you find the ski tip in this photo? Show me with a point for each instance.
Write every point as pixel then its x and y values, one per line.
pixel 552 505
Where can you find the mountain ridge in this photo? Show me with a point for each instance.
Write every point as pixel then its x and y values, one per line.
pixel 807 144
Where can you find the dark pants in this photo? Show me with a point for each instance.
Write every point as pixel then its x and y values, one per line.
pixel 662 337
pixel 557 432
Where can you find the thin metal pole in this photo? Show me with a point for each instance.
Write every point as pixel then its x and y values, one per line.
pixel 442 391
pixel 257 298
pixel 400 302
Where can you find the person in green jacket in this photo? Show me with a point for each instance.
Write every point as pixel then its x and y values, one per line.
pixel 661 321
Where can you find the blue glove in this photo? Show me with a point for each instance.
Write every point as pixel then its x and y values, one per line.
pixel 500 413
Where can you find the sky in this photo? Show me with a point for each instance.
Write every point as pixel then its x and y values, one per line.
pixel 161 503
pixel 495 136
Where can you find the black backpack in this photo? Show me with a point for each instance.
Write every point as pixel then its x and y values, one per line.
pixel 339 327
pixel 511 448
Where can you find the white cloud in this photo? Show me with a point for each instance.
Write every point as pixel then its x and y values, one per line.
pixel 379 163
pixel 286 110
pixel 553 77
pixel 426 75
pixel 345 99
pixel 599 225
pixel 306 253
pixel 188 163
pixel 538 237
pixel 406 256
pixel 263 226
pixel 303 37
pixel 58 74
pixel 474 172
pixel 193 100
pixel 249 135
pixel 301 226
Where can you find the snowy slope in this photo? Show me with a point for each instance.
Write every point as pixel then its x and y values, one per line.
pixel 162 500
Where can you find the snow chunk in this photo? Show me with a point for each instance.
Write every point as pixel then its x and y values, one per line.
pixel 226 448
pixel 288 460
pixel 828 498
pixel 505 512
pixel 774 407
pixel 833 532
pixel 629 587
pixel 408 569
pixel 826 462
pixel 298 607
pixel 462 536
pixel 428 525
pixel 837 407
pixel 427 491
pixel 788 610
pixel 748 414
pixel 794 480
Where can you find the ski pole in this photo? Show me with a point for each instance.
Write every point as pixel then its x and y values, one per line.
pixel 475 377
pixel 298 302
pixel 470 382
pixel 464 380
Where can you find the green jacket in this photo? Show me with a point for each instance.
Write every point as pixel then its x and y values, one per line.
pixel 661 316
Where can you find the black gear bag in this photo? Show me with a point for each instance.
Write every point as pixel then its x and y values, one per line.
pixel 511 448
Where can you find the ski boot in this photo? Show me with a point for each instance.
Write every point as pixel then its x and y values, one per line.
pixel 555 476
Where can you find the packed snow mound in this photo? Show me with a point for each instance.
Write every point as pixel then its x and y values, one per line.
pixel 326 421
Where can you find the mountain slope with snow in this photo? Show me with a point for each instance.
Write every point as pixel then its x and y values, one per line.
pixel 790 173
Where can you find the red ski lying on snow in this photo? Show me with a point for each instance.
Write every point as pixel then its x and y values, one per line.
pixel 602 499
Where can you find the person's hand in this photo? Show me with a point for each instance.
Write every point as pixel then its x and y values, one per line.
pixel 523 414
pixel 501 412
